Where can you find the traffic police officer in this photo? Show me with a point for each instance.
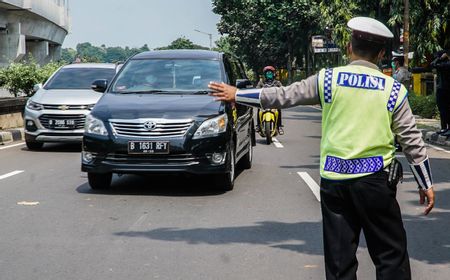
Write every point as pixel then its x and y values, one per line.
pixel 362 111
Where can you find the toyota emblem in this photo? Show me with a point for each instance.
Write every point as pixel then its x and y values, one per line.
pixel 150 125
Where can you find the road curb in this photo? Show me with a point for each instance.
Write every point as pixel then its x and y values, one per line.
pixel 432 137
pixel 11 135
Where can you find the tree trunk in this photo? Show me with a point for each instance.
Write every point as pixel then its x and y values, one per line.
pixel 289 62
pixel 406 33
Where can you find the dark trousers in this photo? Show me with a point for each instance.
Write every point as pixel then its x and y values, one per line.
pixel 365 203
pixel 443 104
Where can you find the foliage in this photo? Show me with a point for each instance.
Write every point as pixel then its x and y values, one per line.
pixel 68 55
pixel 89 53
pixel 224 45
pixel 182 43
pixel 268 32
pixel 21 77
pixel 424 106
pixel 429 21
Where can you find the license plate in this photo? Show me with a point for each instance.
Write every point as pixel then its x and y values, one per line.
pixel 148 147
pixel 61 123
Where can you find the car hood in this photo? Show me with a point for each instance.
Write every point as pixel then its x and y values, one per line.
pixel 68 97
pixel 167 106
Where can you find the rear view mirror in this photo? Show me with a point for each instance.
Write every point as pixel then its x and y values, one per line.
pixel 99 85
pixel 243 84
pixel 37 87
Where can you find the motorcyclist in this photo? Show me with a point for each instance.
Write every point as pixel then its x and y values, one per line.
pixel 270 81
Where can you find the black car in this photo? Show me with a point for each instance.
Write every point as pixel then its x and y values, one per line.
pixel 156 117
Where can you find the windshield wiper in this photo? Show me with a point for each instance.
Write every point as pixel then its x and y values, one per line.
pixel 202 92
pixel 144 92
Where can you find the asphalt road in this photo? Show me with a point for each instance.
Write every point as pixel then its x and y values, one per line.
pixel 53 226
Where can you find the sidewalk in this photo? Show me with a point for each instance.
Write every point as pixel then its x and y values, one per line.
pixel 429 127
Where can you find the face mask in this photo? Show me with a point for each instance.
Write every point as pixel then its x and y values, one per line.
pixel 269 75
pixel 393 65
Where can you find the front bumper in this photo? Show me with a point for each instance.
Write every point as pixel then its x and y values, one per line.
pixel 195 157
pixel 41 132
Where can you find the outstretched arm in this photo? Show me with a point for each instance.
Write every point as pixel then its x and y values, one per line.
pixel 299 93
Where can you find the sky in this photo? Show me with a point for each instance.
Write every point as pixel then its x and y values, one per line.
pixel 134 23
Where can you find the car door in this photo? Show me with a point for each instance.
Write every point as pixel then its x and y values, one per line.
pixel 244 122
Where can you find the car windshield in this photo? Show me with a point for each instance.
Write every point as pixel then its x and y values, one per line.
pixel 167 75
pixel 79 78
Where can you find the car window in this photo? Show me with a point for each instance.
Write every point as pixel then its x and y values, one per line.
pixel 236 70
pixel 231 74
pixel 78 78
pixel 180 75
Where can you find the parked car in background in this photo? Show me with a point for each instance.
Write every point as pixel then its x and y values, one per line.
pixel 156 117
pixel 57 111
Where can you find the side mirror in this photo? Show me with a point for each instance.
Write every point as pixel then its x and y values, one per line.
pixel 99 85
pixel 243 84
pixel 37 87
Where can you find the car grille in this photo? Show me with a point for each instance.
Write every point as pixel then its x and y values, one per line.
pixel 67 107
pixel 79 121
pixel 173 159
pixel 151 128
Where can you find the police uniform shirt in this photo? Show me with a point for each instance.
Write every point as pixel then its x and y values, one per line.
pixel 305 92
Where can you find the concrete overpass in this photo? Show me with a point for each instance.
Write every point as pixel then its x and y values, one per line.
pixel 36 27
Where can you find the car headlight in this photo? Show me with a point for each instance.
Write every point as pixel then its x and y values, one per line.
pixel 212 127
pixel 95 126
pixel 34 106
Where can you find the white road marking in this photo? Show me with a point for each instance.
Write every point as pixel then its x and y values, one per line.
pixel 314 107
pixel 277 143
pixel 311 184
pixel 138 224
pixel 11 174
pixel 437 148
pixel 12 146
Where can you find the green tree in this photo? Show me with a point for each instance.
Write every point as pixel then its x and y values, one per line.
pixel 68 55
pixel 267 32
pixel 182 43
pixel 90 53
pixel 429 21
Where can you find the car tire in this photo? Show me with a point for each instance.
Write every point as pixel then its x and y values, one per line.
pixel 34 146
pixel 225 181
pixel 246 161
pixel 99 181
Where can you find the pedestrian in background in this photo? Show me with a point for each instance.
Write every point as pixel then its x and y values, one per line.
pixel 400 72
pixel 442 66
pixel 362 111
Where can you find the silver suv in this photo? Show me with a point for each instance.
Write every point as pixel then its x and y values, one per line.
pixel 57 111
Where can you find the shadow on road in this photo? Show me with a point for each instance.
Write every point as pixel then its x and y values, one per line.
pixel 429 237
pixel 302 237
pixel 56 148
pixel 158 185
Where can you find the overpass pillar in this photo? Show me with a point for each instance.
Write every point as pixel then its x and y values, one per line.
pixel 39 51
pixel 12 43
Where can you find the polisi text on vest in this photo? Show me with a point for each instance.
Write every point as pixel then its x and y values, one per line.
pixel 364 81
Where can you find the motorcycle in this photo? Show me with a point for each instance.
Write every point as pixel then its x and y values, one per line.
pixel 268 127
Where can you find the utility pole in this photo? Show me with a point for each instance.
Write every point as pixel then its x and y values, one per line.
pixel 210 37
pixel 406 32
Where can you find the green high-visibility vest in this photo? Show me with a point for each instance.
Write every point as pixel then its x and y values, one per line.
pixel 358 103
